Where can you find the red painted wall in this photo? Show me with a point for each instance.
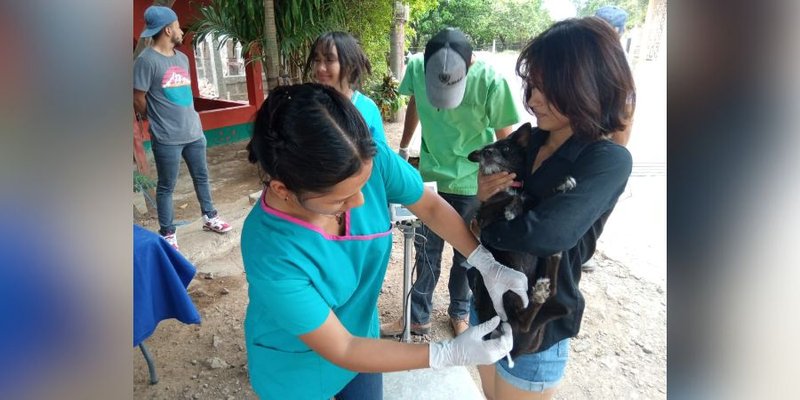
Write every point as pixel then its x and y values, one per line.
pixel 213 113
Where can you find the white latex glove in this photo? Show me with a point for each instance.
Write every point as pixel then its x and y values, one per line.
pixel 499 279
pixel 469 348
pixel 403 152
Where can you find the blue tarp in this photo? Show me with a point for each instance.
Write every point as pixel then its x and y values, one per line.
pixel 160 277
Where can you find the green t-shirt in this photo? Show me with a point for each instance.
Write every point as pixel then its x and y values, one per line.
pixel 297 274
pixel 448 136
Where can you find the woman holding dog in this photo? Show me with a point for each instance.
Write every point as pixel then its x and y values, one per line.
pixel 338 61
pixel 577 83
pixel 316 248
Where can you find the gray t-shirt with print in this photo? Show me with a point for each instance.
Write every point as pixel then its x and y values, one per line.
pixel 170 104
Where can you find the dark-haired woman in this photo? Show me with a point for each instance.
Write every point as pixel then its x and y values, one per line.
pixel 316 248
pixel 337 60
pixel 579 87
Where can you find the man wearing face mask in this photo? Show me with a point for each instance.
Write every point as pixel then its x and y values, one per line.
pixel 162 92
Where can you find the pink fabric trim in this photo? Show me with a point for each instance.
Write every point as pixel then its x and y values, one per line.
pixel 304 224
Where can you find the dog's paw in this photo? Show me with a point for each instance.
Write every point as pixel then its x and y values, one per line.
pixel 541 290
pixel 568 184
pixel 515 208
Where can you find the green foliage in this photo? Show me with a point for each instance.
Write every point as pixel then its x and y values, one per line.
pixel 516 21
pixel 509 21
pixel 637 9
pixel 387 96
pixel 371 23
pixel 419 9
pixel 298 23
pixel 142 183
pixel 239 20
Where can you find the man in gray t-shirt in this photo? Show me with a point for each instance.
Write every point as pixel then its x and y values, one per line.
pixel 162 90
pixel 170 104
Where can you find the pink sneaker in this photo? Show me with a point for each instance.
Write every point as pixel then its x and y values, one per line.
pixel 215 224
pixel 172 240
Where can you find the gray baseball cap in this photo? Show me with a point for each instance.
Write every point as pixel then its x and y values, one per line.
pixel 447 58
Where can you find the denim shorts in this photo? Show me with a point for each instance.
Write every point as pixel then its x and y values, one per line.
pixel 534 372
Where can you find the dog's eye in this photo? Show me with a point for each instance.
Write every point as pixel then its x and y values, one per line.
pixel 505 149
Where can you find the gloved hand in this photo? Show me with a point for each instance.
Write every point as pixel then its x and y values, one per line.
pixel 403 152
pixel 469 348
pixel 499 279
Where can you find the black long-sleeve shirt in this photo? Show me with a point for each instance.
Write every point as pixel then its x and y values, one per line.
pixel 568 222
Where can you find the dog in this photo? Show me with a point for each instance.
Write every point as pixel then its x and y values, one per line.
pixel 527 324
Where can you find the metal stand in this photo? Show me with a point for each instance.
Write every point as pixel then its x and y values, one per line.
pixel 151 367
pixel 408 228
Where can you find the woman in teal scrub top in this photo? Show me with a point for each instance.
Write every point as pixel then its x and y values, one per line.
pixel 316 248
pixel 337 60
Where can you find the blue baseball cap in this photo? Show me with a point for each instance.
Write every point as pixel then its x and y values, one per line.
pixel 156 18
pixel 614 15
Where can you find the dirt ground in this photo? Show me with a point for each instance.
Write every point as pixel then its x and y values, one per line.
pixel 620 352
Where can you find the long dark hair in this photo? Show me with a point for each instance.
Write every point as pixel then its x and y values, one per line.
pixel 580 67
pixel 353 63
pixel 309 137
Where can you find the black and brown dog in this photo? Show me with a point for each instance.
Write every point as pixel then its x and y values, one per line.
pixel 527 324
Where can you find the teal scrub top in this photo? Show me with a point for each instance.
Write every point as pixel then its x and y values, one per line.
pixel 297 273
pixel 372 115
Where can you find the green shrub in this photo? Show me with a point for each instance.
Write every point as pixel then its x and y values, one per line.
pixel 387 97
pixel 143 184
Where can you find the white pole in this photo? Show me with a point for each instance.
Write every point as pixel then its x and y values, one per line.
pixel 213 64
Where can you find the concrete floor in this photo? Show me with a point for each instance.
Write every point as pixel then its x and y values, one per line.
pixel 447 383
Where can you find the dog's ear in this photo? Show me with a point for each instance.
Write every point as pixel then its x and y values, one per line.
pixel 522 134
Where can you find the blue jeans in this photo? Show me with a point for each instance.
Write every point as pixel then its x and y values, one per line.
pixel 428 266
pixel 168 158
pixel 363 387
pixel 532 372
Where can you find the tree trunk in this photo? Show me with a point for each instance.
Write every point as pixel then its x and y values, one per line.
pixel 396 54
pixel 650 40
pixel 271 53
pixel 144 42
pixel 659 22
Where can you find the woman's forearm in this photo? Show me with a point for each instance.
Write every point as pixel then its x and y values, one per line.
pixel 337 345
pixel 443 219
pixel 381 355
